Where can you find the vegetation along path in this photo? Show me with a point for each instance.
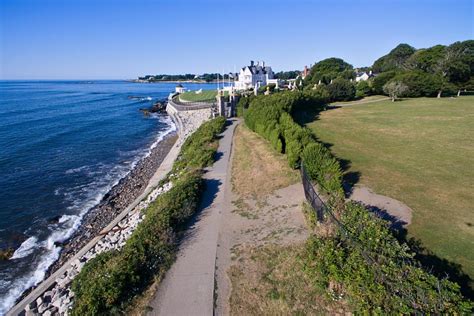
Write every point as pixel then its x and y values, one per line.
pixel 188 287
pixel 261 237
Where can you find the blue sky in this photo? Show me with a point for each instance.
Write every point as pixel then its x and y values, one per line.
pixel 92 39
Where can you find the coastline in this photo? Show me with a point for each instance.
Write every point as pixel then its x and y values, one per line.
pixel 101 228
pixel 115 201
pixel 129 188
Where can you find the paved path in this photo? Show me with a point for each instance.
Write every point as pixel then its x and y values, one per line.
pixel 188 287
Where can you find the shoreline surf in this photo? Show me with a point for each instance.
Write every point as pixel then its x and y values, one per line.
pixel 78 229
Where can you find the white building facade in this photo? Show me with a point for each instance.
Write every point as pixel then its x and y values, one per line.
pixel 255 75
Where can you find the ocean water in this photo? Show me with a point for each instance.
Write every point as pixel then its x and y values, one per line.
pixel 63 145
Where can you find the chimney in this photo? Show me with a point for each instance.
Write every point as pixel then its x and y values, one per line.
pixel 251 63
pixel 263 64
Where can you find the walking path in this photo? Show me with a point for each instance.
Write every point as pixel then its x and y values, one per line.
pixel 358 102
pixel 188 287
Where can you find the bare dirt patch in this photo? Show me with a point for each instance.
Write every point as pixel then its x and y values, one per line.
pixel 398 213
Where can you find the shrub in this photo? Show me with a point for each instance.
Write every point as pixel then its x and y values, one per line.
pixel 363 89
pixel 341 90
pixel 199 148
pixel 323 168
pixel 375 272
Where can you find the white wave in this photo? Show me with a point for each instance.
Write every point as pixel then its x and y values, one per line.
pixel 26 248
pixel 70 223
pixel 75 170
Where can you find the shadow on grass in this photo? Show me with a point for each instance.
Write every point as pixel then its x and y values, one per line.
pixel 442 268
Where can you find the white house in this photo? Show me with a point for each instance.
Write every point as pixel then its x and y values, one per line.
pixel 255 75
pixel 363 76
pixel 179 88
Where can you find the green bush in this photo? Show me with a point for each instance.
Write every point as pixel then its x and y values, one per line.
pixel 341 90
pixel 199 148
pixel 375 272
pixel 363 89
pixel 109 282
pixel 323 168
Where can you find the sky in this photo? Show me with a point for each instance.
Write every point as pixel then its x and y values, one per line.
pixel 123 39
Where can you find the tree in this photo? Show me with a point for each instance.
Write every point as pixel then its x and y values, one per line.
pixel 419 83
pixel 394 60
pixel 341 90
pixel 329 69
pixel 381 79
pixel 363 89
pixel 395 89
pixel 426 59
pixel 285 75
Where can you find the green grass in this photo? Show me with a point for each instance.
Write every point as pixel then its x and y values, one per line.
pixel 205 95
pixel 418 151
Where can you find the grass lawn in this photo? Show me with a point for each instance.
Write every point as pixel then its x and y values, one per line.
pixel 205 95
pixel 418 151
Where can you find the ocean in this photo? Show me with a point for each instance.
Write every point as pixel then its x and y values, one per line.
pixel 63 146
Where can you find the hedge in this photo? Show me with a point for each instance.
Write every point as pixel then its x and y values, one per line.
pixel 108 283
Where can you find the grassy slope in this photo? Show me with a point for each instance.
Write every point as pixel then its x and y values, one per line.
pixel 421 152
pixel 257 169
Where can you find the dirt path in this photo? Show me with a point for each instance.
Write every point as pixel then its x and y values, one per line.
pixel 363 101
pixel 251 224
pixel 398 213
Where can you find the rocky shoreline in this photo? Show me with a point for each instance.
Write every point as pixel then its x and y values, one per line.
pixel 57 297
pixel 115 201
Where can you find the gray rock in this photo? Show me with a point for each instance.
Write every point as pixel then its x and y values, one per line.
pixel 39 301
pixel 43 307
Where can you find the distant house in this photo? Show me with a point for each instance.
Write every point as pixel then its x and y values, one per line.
pixel 179 88
pixel 363 76
pixel 255 75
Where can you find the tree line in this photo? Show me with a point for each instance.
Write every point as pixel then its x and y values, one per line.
pixel 404 72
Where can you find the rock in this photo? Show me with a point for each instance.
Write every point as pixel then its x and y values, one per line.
pixel 43 307
pixel 30 313
pixel 39 301
pixel 6 254
pixel 54 219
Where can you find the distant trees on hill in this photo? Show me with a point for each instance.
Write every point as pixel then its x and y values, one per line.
pixel 428 72
pixel 434 71
pixel 285 75
pixel 208 77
